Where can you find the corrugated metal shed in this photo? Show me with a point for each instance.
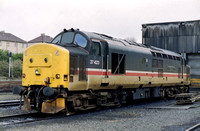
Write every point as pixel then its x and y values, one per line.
pixel 181 37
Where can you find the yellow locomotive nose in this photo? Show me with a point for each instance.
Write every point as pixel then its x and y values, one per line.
pixel 46 64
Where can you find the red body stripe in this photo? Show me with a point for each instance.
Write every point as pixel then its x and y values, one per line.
pixel 95 73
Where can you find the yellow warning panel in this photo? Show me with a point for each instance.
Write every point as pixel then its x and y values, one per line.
pixel 53 107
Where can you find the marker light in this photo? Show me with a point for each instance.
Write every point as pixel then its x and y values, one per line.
pixel 57 76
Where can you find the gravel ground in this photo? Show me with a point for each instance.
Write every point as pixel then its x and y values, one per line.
pixel 9 110
pixel 146 116
pixel 8 96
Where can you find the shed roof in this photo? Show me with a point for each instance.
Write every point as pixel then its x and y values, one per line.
pixel 174 22
pixel 42 38
pixel 10 37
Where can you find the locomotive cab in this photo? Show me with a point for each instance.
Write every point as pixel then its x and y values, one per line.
pixel 72 38
pixel 48 70
pixel 45 70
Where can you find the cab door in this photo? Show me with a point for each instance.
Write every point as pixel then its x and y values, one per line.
pixel 105 62
pixel 99 60
pixel 96 57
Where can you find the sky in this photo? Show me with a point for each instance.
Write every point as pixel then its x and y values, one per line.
pixel 27 19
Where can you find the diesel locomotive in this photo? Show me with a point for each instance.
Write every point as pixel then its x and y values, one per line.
pixel 82 70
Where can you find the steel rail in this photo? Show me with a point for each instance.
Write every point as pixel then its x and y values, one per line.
pixel 193 128
pixel 23 118
pixel 9 103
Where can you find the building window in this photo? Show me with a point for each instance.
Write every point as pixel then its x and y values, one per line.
pixel 22 45
pixel 26 45
pixel 0 43
pixel 7 44
pixel 15 44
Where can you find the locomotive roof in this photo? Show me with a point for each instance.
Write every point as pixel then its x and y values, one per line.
pixel 122 42
pixel 117 43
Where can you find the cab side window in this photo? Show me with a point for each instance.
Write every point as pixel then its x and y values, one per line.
pixel 96 48
pixel 80 40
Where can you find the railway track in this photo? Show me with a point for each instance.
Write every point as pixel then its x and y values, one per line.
pixel 10 103
pixel 24 118
pixel 194 128
pixel 33 117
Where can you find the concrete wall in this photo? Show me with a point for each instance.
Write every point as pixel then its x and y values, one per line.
pixel 13 47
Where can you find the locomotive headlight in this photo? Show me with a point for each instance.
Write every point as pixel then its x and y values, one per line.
pixel 47 80
pixel 37 72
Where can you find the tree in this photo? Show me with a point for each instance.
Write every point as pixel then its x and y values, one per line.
pixel 17 68
pixel 4 68
pixel 18 56
pixel 3 55
pixel 17 64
